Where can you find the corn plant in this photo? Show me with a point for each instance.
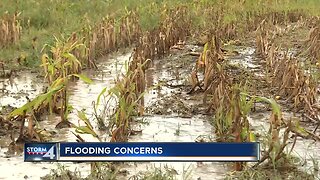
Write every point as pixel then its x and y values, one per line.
pixel 62 61
pixel 100 117
pixel 128 92
pixel 275 147
pixel 33 109
pixel 231 119
pixel 275 141
pixel 87 128
pixel 129 29
pixel 61 66
pixel 216 82
pixel 35 106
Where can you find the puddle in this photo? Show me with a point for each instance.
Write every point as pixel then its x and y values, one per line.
pixel 13 91
pixel 173 129
pixel 245 58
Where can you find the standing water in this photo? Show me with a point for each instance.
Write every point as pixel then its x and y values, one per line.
pixel 171 124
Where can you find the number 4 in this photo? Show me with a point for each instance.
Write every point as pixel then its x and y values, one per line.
pixel 50 154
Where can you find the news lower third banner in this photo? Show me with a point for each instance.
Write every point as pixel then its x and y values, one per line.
pixel 143 151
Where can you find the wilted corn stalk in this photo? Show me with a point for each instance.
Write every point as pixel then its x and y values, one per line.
pixel 231 118
pixel 102 38
pixel 215 81
pixel 174 28
pixel 313 44
pixel 82 54
pixel 293 83
pixel 224 101
pixel 109 35
pixel 129 29
pixel 277 142
pixel 10 30
pixel 262 40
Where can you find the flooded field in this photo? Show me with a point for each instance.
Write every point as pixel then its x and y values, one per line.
pixel 171 117
pixel 169 71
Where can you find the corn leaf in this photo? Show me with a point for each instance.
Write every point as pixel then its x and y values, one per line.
pixel 72 58
pixel 85 130
pixel 83 78
pixel 84 118
pixel 35 103
pixel 252 137
pixel 99 96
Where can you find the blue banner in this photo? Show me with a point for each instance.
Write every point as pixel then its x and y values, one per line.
pixel 150 151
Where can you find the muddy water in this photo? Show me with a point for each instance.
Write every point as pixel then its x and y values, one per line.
pixel 13 91
pixel 156 127
pixel 81 97
pixel 175 129
pixel 245 58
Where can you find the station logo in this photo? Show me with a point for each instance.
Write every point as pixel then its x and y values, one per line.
pixel 40 152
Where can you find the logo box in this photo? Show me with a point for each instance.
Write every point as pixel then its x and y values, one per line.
pixel 40 152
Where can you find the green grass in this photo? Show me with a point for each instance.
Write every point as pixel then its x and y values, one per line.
pixel 157 173
pixel 261 173
pixel 45 18
pixel 290 167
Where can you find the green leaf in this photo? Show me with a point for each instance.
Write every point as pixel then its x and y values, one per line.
pixel 246 106
pixel 205 47
pixel 72 58
pixel 21 110
pixel 204 52
pixel 84 118
pixel 51 69
pixel 300 129
pixel 252 137
pixel 57 83
pixel 35 103
pixel 243 133
pixel 85 130
pixel 275 106
pixel 83 78
pixel 40 99
pixel 99 96
pixel 114 91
